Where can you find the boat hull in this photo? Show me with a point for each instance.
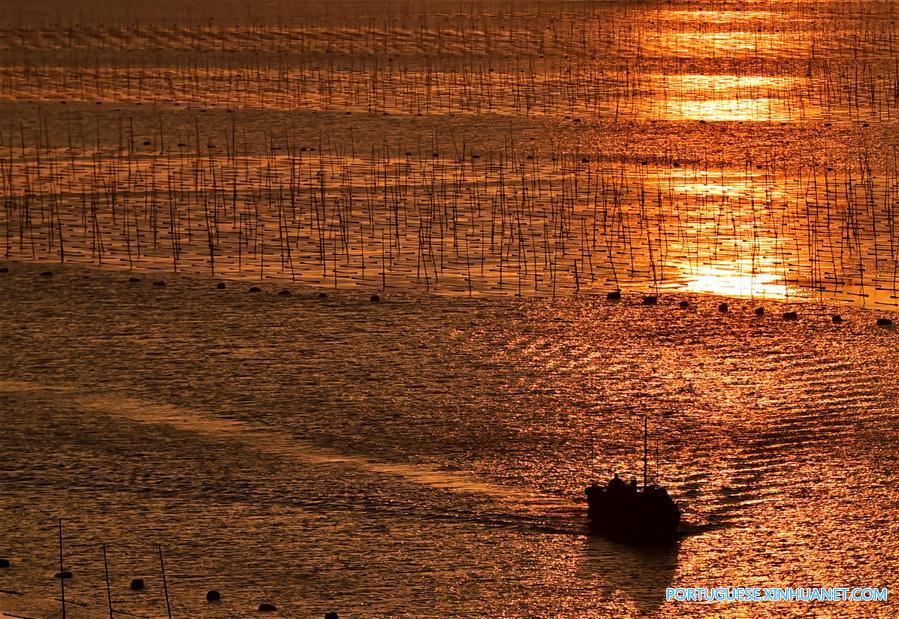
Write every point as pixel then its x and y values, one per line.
pixel 648 518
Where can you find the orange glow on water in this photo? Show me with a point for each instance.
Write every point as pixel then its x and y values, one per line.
pixel 734 282
pixel 727 97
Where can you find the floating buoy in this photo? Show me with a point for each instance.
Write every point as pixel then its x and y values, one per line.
pixel 284 293
pixel 322 295
pixel 722 307
pixel 760 311
pixel 884 322
pixel 159 283
pixel 331 615
pixel 375 298
pixel 615 295
pixel 213 596
pixel 221 286
pixel 791 316
pixel 46 273
pixel 650 299
pixel 265 607
pixel 4 563
pixel 255 289
pixel 133 280
pixel 4 269
pixel 137 584
pixel 836 318
pixel 63 574
pixel 684 304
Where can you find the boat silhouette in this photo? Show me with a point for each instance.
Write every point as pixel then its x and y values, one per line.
pixel 625 513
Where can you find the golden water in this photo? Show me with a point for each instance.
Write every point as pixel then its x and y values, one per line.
pixel 425 456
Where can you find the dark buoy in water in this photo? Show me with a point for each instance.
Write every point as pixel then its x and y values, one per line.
pixel 684 304
pixel 4 563
pixel 160 283
pixel 255 289
pixel 213 596
pixel 46 273
pixel 375 298
pixel 791 316
pixel 4 269
pixel 221 286
pixel 137 584
pixel 331 615
pixel 884 322
pixel 265 607
pixel 284 293
pixel 836 319
pixel 63 574
pixel 760 311
pixel 650 299
pixel 722 307
pixel 322 295
pixel 615 295
pixel 133 280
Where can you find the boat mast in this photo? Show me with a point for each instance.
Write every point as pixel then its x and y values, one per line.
pixel 655 466
pixel 644 451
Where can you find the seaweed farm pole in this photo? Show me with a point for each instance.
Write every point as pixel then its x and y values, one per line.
pixel 106 573
pixel 62 580
pixel 165 586
pixel 383 262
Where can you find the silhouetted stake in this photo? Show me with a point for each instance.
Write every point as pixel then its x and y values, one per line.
pixel 62 579
pixel 106 573
pixel 165 586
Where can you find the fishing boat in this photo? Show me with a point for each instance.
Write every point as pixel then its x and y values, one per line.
pixel 635 516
